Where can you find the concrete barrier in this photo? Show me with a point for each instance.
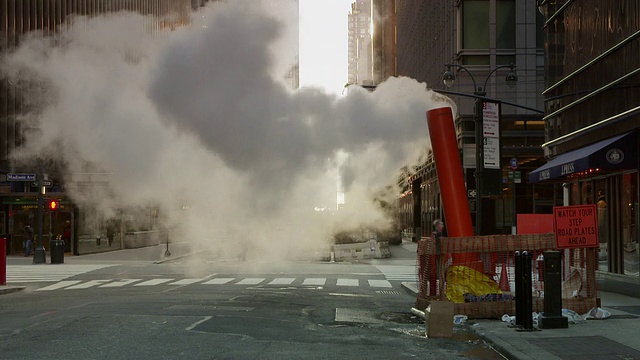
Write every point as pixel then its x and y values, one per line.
pixel 94 244
pixel 138 239
pixel 366 250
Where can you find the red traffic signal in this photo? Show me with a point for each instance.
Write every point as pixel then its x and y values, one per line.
pixel 54 204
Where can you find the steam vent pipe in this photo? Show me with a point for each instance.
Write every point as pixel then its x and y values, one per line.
pixel 450 178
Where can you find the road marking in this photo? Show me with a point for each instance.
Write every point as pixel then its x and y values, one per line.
pixel 250 281
pixel 48 273
pixel 153 282
pixel 218 281
pixel 380 283
pixel 399 272
pixel 113 283
pixel 314 281
pixel 120 283
pixel 282 281
pixel 186 281
pixel 193 326
pixel 88 284
pixel 59 285
pixel 348 282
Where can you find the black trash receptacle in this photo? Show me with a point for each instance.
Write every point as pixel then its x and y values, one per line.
pixel 57 251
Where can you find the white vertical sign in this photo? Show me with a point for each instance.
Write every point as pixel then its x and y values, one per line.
pixel 491 134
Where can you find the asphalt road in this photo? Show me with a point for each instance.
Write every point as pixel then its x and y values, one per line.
pixel 223 310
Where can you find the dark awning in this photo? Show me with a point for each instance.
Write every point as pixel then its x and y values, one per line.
pixel 618 152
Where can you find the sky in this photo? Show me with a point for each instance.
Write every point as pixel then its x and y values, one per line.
pixel 198 123
pixel 323 43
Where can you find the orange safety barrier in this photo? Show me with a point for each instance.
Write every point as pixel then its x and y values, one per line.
pixel 488 291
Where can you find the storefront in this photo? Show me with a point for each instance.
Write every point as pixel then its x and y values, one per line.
pixel 24 211
pixel 605 174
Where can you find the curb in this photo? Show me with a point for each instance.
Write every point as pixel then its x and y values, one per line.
pixel 501 346
pixel 10 289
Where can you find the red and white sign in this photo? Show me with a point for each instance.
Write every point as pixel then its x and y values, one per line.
pixel 575 226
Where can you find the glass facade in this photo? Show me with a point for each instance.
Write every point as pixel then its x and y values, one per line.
pixel 592 80
pixel 616 199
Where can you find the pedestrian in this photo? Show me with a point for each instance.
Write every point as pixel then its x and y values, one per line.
pixel 434 261
pixel 28 240
pixel 438 228
pixel 66 235
pixel 111 230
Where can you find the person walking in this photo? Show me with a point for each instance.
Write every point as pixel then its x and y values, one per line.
pixel 66 236
pixel 28 240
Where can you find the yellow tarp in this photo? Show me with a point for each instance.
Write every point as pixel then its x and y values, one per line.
pixel 465 280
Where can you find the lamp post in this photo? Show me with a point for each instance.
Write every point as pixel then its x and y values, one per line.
pixel 39 254
pixel 479 93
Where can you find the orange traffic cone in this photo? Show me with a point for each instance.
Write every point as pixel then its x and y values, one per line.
pixel 504 280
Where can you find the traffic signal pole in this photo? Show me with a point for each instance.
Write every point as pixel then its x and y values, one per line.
pixel 39 255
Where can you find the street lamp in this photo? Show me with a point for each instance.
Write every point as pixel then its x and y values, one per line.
pixel 448 78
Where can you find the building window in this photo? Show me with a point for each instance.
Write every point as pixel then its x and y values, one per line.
pixel 475 24
pixel 506 24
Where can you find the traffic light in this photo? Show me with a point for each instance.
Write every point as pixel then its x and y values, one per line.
pixel 54 204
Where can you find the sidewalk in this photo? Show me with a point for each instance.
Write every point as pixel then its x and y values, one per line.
pixel 617 337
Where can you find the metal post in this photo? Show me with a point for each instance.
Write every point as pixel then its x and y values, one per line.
pixel 552 318
pixel 519 295
pixel 479 163
pixel 167 253
pixel 527 320
pixel 513 203
pixel 39 255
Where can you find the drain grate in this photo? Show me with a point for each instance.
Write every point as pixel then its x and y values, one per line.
pixel 587 347
pixel 388 292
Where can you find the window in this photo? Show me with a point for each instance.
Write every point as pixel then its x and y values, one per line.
pixel 475 24
pixel 506 24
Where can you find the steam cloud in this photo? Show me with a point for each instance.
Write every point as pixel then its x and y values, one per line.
pixel 199 118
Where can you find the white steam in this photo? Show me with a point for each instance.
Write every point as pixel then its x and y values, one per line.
pixel 200 117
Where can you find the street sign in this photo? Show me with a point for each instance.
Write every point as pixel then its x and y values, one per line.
pixel 44 183
pixel 515 176
pixel 471 194
pixel 491 135
pixel 576 226
pixel 21 177
pixel 514 163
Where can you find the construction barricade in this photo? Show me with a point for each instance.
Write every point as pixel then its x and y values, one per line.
pixel 483 286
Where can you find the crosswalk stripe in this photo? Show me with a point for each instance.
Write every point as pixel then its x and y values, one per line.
pixel 59 285
pixel 186 281
pixel 113 283
pixel 120 283
pixel 402 277
pixel 348 282
pixel 250 281
pixel 282 281
pixel 314 281
pixel 153 282
pixel 88 284
pixel 399 272
pixel 48 273
pixel 380 283
pixel 218 281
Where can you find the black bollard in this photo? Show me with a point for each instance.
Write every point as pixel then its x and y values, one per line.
pixel 527 292
pixel 552 318
pixel 519 295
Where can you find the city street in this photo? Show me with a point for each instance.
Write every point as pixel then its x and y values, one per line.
pixel 224 310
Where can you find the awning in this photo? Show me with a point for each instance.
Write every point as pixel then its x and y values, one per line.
pixel 618 152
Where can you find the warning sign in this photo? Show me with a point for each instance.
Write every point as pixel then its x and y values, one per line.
pixel 576 226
